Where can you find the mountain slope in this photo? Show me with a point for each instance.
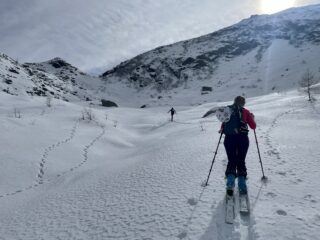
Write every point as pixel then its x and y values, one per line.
pixel 267 52
pixel 55 78
pixel 58 79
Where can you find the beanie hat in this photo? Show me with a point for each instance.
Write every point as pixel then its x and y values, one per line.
pixel 240 101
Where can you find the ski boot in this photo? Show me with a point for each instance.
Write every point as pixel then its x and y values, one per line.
pixel 230 184
pixel 242 185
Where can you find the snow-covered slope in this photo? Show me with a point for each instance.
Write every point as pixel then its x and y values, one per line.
pixel 133 174
pixel 58 79
pixel 54 78
pixel 259 55
pixel 13 77
pixel 75 82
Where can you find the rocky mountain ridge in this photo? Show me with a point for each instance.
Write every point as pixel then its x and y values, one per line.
pixel 55 78
pixel 198 60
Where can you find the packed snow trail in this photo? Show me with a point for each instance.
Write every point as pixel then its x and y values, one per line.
pixel 142 179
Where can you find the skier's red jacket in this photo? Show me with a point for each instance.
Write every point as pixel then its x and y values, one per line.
pixel 247 117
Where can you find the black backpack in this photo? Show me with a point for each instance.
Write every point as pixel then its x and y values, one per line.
pixel 235 125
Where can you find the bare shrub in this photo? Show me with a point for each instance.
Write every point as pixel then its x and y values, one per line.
pixel 49 101
pixel 87 114
pixel 307 80
pixel 202 125
pixel 17 113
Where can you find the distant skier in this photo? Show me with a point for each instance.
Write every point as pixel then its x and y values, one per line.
pixel 172 111
pixel 236 143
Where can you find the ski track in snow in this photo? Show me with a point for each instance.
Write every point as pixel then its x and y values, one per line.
pixel 283 171
pixel 273 151
pixel 53 147
pixel 245 228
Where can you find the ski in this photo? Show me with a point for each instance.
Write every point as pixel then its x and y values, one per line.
pixel 230 204
pixel 244 203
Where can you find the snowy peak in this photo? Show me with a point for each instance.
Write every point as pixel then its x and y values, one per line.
pixel 58 67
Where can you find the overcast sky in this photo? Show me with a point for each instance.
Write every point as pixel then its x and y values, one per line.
pixel 96 35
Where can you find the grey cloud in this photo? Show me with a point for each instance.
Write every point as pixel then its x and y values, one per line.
pixel 98 34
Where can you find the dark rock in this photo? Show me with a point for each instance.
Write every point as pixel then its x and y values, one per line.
pixel 8 81
pixel 188 61
pixel 38 92
pixel 29 72
pixel 206 89
pixel 107 103
pixel 13 70
pixel 200 64
pixel 58 63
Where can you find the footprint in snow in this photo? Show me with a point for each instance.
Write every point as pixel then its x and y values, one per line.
pixel 182 235
pixel 282 212
pixel 309 197
pixel 317 217
pixel 192 201
pixel 282 173
pixel 271 194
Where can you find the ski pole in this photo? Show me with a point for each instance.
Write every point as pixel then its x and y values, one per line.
pixel 215 154
pixel 263 176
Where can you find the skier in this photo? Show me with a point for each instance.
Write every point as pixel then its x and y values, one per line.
pixel 236 143
pixel 173 111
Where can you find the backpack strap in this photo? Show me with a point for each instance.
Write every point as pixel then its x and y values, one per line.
pixel 243 128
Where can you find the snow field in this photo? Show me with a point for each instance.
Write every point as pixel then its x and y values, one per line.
pixel 133 174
